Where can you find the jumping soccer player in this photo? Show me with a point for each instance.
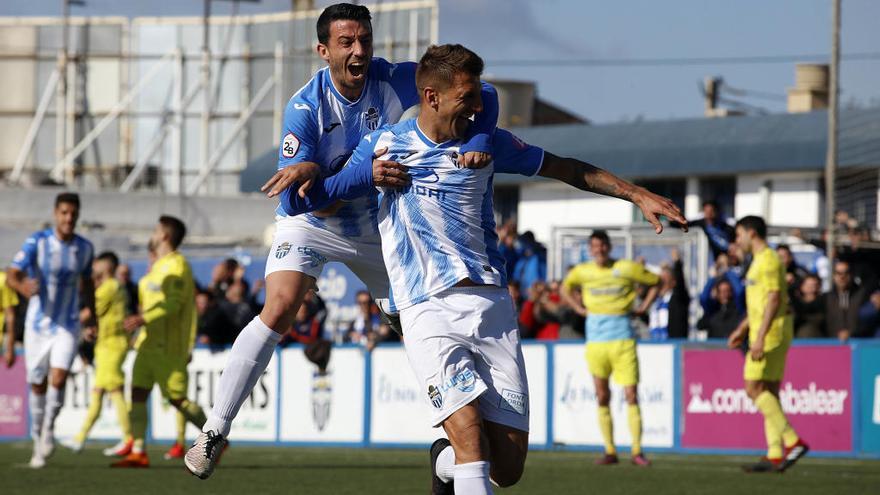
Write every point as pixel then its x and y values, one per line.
pixel 53 270
pixel 769 325
pixel 447 274
pixel 608 288
pixel 323 123
pixel 111 347
pixel 166 340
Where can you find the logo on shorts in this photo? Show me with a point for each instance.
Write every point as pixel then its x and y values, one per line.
pixel 514 401
pixel 464 380
pixel 315 258
pixel 282 250
pixel 435 396
pixel 371 118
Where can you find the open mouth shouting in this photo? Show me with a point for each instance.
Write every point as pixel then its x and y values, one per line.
pixel 357 70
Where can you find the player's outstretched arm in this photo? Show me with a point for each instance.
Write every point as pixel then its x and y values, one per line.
pixel 594 179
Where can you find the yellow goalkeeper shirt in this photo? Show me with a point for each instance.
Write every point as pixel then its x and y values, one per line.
pixel 110 309
pixel 168 307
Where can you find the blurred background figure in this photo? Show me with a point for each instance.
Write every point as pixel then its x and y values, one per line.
pixel 668 315
pixel 809 308
pixel 843 303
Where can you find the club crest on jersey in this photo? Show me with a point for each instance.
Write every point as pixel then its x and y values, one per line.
pixel 435 396
pixel 371 118
pixel 289 146
pixel 282 250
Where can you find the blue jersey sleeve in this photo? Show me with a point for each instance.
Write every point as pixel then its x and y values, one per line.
pixel 26 257
pixel 88 258
pixel 354 180
pixel 299 136
pixel 480 136
pixel 513 156
pixel 402 78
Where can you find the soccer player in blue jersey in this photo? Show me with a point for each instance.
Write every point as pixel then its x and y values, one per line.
pixel 52 270
pixel 324 121
pixel 447 275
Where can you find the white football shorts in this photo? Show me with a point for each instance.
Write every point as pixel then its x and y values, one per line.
pixel 44 350
pixel 464 344
pixel 302 247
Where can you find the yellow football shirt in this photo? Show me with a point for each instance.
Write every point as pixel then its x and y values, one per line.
pixel 110 306
pixel 766 275
pixel 168 307
pixel 8 300
pixel 609 290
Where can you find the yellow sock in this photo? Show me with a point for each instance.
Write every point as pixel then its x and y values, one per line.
pixel 774 440
pixel 770 407
pixel 138 417
pixel 193 413
pixel 118 400
pixel 606 426
pixel 634 417
pixel 181 428
pixel 92 414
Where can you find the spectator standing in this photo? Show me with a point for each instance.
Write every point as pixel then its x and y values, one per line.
pixel 794 273
pixel 724 271
pixel 532 263
pixel 721 323
pixel 809 309
pixel 843 304
pixel 718 230
pixel 668 316
pixel 214 327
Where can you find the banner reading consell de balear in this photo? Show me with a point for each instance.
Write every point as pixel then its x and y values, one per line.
pixel 816 395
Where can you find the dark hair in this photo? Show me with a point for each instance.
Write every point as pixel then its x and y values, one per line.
pixel 755 224
pixel 601 235
pixel 712 203
pixel 111 257
pixel 721 281
pixel 784 247
pixel 441 63
pixel 70 198
pixel 175 228
pixel 340 12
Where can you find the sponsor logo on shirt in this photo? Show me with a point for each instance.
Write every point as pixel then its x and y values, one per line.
pixel 289 146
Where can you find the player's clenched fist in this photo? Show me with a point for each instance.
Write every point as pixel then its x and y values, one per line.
pixel 475 159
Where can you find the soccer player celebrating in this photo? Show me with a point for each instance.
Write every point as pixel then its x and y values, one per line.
pixel 166 340
pixel 8 302
pixel 608 288
pixel 53 270
pixel 323 122
pixel 447 274
pixel 111 348
pixel 769 326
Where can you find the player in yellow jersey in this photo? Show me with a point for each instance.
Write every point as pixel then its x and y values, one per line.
pixel 111 348
pixel 8 302
pixel 608 288
pixel 769 325
pixel 165 341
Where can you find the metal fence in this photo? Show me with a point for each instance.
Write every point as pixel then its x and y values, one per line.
pixel 158 102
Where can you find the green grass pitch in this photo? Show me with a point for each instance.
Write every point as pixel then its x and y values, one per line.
pixel 267 470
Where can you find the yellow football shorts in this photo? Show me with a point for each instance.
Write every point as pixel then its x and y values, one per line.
pixel 615 357
pixel 770 368
pixel 168 372
pixel 108 368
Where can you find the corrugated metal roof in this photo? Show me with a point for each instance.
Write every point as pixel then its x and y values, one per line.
pixel 704 147
pixel 692 147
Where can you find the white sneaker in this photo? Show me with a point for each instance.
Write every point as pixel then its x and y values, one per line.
pixel 47 444
pixel 202 457
pixel 73 445
pixel 37 461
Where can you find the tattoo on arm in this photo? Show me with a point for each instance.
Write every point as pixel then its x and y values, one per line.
pixel 586 177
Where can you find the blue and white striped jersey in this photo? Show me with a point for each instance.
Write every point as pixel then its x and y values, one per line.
pixel 439 230
pixel 322 126
pixel 58 267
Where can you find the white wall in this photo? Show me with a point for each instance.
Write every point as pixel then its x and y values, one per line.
pixel 790 199
pixel 543 206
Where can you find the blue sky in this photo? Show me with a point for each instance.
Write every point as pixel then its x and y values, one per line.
pixel 624 29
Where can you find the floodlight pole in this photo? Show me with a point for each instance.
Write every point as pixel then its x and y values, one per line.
pixel 833 107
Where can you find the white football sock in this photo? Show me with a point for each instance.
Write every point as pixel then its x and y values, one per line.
pixel 38 409
pixel 472 478
pixel 248 358
pixel 445 465
pixel 54 401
